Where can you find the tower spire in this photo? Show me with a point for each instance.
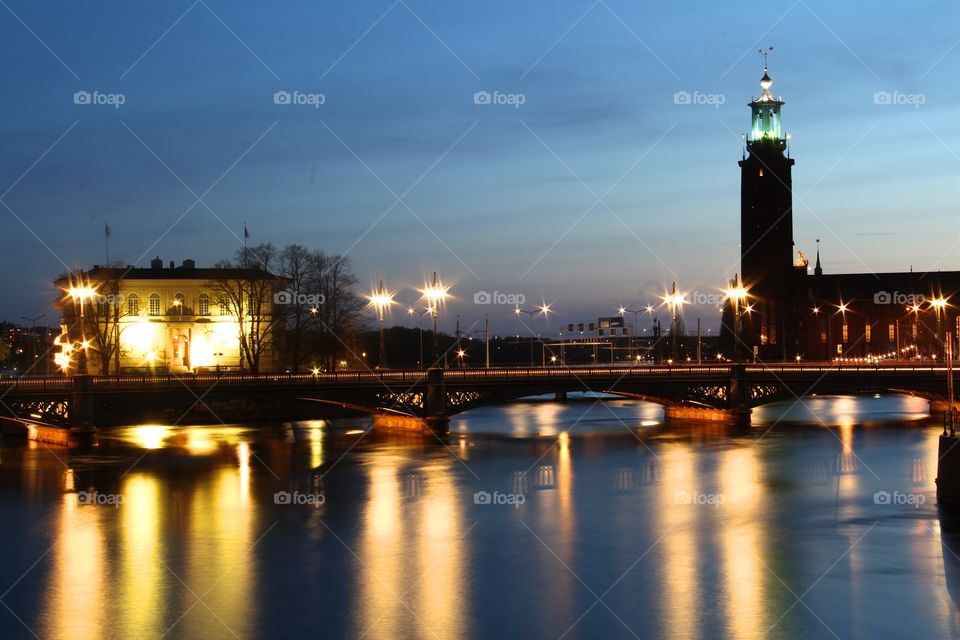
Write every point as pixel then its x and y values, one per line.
pixel 766 112
pixel 818 270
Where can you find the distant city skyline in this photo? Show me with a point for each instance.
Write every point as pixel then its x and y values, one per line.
pixel 582 155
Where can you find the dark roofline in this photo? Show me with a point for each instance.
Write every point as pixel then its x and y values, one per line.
pixel 177 273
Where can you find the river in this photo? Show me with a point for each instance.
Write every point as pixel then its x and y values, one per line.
pixel 584 519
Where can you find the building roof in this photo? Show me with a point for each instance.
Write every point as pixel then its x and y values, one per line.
pixel 98 273
pixel 867 285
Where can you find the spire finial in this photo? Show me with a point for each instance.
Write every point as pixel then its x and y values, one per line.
pixel 765 53
pixel 765 81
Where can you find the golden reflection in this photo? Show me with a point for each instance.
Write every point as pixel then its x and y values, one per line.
pixel 846 427
pixel 221 532
pixel 382 554
pixel 742 543
pixel 75 606
pixel 151 436
pixel 199 441
pixel 441 553
pixel 316 446
pixel 540 417
pixel 243 457
pixel 848 468
pixel 142 573
pixel 680 543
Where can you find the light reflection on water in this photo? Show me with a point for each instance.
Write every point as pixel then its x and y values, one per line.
pixel 683 531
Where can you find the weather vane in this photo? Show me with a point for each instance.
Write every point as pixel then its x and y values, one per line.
pixel 765 53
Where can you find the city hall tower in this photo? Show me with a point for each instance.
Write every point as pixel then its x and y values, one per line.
pixel 766 231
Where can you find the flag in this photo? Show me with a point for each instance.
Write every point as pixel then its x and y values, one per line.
pixel 246 234
pixel 106 229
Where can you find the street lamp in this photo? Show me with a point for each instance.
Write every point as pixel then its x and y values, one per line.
pixel 633 341
pixel 413 311
pixel 435 293
pixel 543 309
pixel 737 294
pixel 33 342
pixel 380 300
pixel 939 304
pixel 674 301
pixel 82 293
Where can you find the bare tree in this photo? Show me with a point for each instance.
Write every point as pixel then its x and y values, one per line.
pixel 296 265
pixel 340 317
pixel 246 288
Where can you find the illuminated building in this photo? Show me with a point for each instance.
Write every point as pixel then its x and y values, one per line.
pixel 176 318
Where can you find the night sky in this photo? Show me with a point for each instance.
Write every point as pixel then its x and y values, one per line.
pixel 599 189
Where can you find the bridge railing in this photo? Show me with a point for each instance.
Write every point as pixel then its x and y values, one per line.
pixel 40 384
pixel 413 376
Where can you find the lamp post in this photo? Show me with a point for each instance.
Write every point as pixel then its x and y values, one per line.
pixel 82 293
pixel 415 312
pixel 633 338
pixel 518 312
pixel 380 300
pixel 675 301
pixel 33 342
pixel 737 294
pixel 939 304
pixel 544 310
pixel 435 293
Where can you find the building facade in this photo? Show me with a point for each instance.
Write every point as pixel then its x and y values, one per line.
pixel 168 319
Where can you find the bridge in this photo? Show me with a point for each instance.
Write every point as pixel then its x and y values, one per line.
pixel 725 392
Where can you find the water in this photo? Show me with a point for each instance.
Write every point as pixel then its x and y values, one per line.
pixel 820 523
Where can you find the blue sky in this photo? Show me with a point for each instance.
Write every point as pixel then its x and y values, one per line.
pixel 501 197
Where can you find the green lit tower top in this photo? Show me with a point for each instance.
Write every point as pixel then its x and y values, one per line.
pixel 765 130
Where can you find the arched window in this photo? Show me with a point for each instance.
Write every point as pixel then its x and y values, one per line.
pixel 154 304
pixel 203 304
pixel 224 308
pixel 133 304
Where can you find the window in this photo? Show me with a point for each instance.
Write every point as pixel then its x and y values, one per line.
pixel 224 308
pixel 103 307
pixel 823 337
pixel 178 303
pixel 203 304
pixel 891 333
pixel 866 333
pixel 133 304
pixel 154 304
pixel 761 173
pixel 913 329
pixel 846 332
